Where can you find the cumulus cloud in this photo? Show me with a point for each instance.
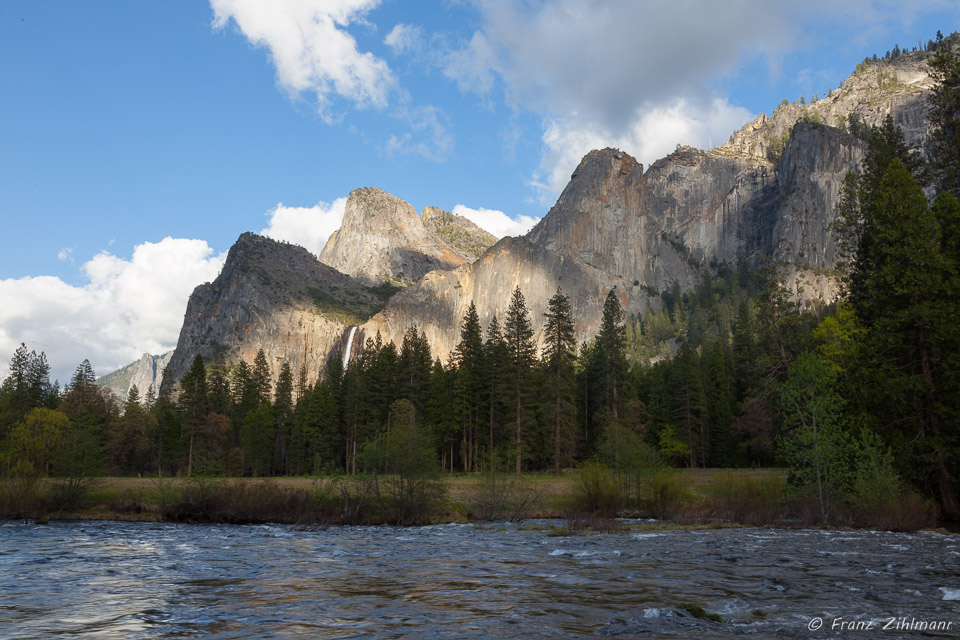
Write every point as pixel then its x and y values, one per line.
pixel 654 132
pixel 573 56
pixel 311 48
pixel 65 254
pixel 126 306
pixel 496 222
pixel 308 227
pixel 404 38
pixel 639 75
pixel 473 67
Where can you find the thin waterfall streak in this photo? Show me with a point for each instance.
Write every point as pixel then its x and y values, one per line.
pixel 346 353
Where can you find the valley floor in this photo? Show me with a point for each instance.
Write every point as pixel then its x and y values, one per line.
pixel 687 498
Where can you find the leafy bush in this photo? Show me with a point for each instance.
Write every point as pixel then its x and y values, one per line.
pixel 406 482
pixel 596 491
pixel 632 460
pixel 19 491
pixel 669 494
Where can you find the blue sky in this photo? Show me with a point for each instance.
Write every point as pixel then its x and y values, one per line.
pixel 138 140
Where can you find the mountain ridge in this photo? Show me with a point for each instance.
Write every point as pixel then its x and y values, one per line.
pixel 617 225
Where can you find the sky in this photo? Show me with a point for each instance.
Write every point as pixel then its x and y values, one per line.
pixel 138 140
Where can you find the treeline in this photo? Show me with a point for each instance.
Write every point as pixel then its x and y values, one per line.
pixel 540 410
pixel 930 46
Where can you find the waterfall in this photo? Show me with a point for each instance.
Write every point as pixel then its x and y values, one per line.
pixel 346 353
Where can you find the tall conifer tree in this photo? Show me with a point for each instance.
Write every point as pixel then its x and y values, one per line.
pixel 559 356
pixel 518 337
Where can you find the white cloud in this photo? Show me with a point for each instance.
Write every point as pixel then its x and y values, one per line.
pixel 473 66
pixel 311 49
pixel 308 227
pixel 496 222
pixel 404 38
pixel 65 254
pixel 126 307
pixel 654 132
pixel 639 75
pixel 428 136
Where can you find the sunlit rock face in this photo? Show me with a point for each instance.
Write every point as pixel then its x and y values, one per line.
pixel 772 190
pixel 145 373
pixel 273 296
pixel 383 240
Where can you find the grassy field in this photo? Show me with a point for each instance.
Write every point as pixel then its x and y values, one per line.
pixel 545 495
pixel 591 498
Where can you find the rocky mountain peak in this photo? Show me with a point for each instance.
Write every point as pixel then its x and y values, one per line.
pixel 597 210
pixel 273 296
pixel 144 373
pixel 382 239
pixel 458 232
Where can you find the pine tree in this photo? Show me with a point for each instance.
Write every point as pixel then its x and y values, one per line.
pixel 218 389
pixel 133 395
pixel 283 412
pixel 26 387
pixel 518 337
pixel 496 362
pixel 259 436
pixel 441 421
pixel 558 353
pixel 612 343
pixel 415 363
pixel 905 293
pixel 261 377
pixel 945 116
pixel 720 403
pixel 194 406
pixel 129 441
pixel 468 357
pixel 689 402
pixel 744 351
pixel 302 385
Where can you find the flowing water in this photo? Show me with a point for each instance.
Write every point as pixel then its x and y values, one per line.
pixel 139 580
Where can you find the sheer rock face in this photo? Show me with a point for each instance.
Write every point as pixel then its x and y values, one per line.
pixel 382 239
pixel 613 226
pixel 144 373
pixel 438 303
pixel 276 297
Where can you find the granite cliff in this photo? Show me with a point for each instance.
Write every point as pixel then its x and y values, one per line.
pixel 273 296
pixel 770 191
pixel 382 239
pixel 144 373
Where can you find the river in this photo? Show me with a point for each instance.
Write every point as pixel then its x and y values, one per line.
pixel 144 580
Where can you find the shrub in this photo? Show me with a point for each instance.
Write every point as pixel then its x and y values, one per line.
pixel 501 496
pixel 19 491
pixel 205 499
pixel 631 459
pixel 905 510
pixel 746 500
pixel 596 491
pixel 669 494
pixel 406 481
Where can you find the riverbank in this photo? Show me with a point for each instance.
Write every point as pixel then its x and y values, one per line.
pixel 699 498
